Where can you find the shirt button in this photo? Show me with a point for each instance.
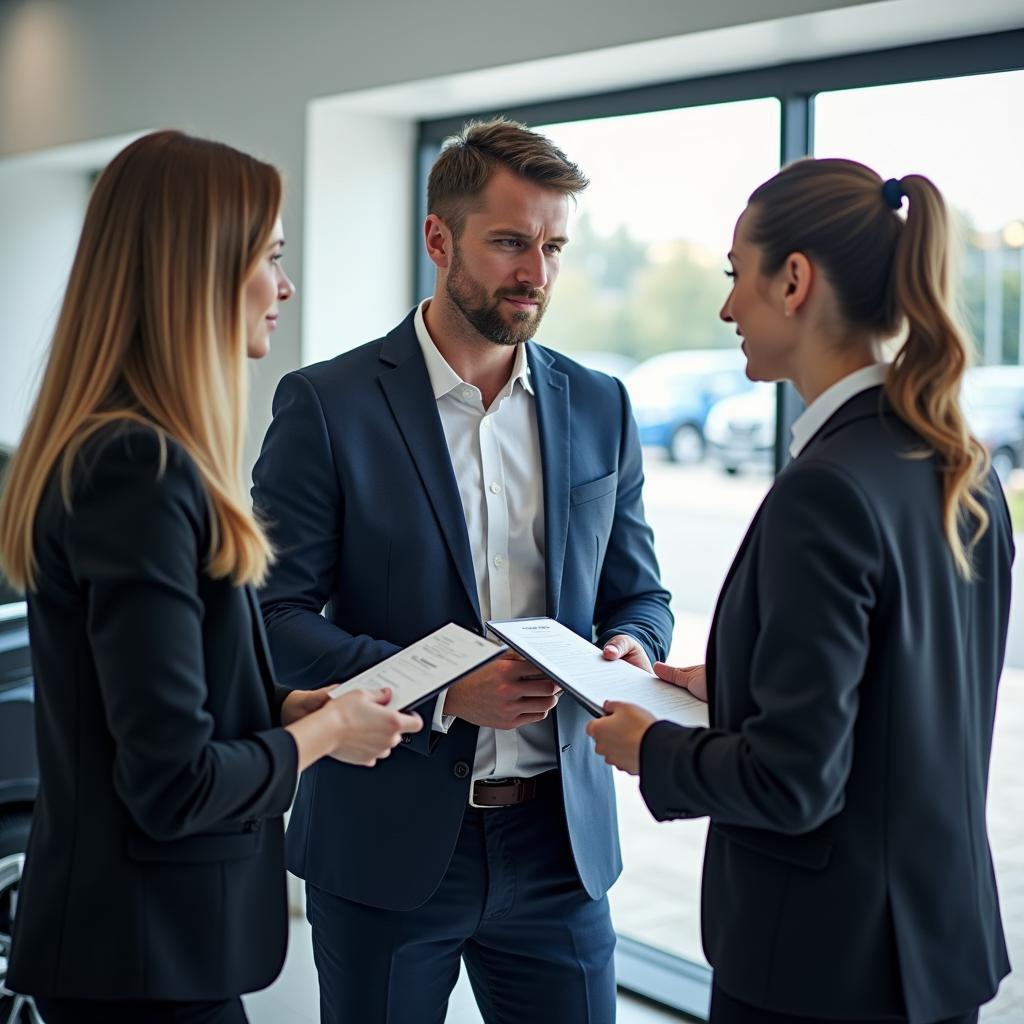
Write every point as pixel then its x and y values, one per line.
pixel 499 560
pixel 467 393
pixel 460 769
pixel 486 421
pixel 495 488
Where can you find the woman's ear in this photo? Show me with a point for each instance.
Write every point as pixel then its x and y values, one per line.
pixel 797 275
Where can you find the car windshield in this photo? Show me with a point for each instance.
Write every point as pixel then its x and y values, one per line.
pixel 1005 398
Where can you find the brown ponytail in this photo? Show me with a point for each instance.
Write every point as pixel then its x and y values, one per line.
pixel 924 382
pixel 889 275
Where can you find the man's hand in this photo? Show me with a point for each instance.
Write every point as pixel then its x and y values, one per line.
pixel 617 736
pixel 505 694
pixel 692 678
pixel 628 649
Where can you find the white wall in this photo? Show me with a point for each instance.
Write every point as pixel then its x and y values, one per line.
pixel 41 212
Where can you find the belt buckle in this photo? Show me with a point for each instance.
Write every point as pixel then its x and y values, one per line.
pixel 485 782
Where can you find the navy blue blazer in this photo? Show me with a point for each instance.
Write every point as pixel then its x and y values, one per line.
pixel 357 487
pixel 852 679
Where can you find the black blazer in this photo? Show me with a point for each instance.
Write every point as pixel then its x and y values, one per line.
pixel 852 679
pixel 155 866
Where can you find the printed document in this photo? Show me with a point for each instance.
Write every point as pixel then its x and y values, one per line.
pixel 426 667
pixel 581 669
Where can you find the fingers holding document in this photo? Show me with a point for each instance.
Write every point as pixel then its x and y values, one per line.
pixel 617 736
pixel 357 727
pixel 504 694
pixel 692 678
pixel 629 649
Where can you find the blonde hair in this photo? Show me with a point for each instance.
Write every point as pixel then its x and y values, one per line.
pixel 889 274
pixel 152 330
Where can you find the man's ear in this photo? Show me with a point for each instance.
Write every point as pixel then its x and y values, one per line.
pixel 439 242
pixel 797 276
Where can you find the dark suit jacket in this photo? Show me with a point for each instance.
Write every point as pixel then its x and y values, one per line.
pixel 852 676
pixel 357 485
pixel 155 867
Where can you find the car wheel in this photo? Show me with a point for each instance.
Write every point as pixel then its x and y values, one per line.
pixel 14 1008
pixel 686 445
pixel 1004 462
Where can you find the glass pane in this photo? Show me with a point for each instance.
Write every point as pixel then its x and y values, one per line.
pixel 975 157
pixel 638 296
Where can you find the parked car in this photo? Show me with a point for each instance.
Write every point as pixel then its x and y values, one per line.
pixel 615 364
pixel 993 401
pixel 740 430
pixel 19 776
pixel 672 393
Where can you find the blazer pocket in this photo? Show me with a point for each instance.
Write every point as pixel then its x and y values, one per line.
pixel 595 489
pixel 198 849
pixel 807 851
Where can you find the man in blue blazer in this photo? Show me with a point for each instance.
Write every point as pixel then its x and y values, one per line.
pixel 455 470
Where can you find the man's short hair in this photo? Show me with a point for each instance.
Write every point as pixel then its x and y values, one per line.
pixel 467 161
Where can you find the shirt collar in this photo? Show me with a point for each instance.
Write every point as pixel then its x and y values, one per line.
pixel 820 411
pixel 444 380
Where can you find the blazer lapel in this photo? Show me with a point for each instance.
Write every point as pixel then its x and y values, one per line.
pixel 407 389
pixel 551 395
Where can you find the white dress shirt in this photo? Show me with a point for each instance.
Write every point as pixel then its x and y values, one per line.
pixel 495 454
pixel 817 414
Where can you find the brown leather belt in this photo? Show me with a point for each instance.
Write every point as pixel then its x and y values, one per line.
pixel 509 792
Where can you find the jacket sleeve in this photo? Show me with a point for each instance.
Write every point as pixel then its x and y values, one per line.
pixel 136 539
pixel 819 572
pixel 297 495
pixel 630 597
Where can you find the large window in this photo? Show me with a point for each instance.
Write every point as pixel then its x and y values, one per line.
pixel 639 294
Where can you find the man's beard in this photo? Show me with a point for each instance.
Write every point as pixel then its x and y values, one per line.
pixel 483 312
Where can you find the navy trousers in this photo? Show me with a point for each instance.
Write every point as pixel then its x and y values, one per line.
pixel 537 948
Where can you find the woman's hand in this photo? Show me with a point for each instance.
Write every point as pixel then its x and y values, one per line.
pixel 300 703
pixel 358 727
pixel 692 678
pixel 617 736
pixel 368 730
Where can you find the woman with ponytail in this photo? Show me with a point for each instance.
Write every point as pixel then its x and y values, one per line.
pixel 154 885
pixel 857 645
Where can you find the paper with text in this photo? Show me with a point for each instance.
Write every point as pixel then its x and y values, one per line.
pixel 582 670
pixel 427 666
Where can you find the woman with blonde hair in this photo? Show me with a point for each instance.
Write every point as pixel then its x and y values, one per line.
pixel 857 645
pixel 154 886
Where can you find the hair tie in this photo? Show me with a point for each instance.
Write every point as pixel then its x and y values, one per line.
pixel 892 193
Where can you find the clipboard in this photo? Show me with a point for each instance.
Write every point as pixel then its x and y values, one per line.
pixel 425 668
pixel 556 648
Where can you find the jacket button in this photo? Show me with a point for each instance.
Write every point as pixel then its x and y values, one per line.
pixel 251 825
pixel 406 738
pixel 461 769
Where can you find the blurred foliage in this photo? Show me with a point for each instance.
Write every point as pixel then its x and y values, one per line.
pixel 616 294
